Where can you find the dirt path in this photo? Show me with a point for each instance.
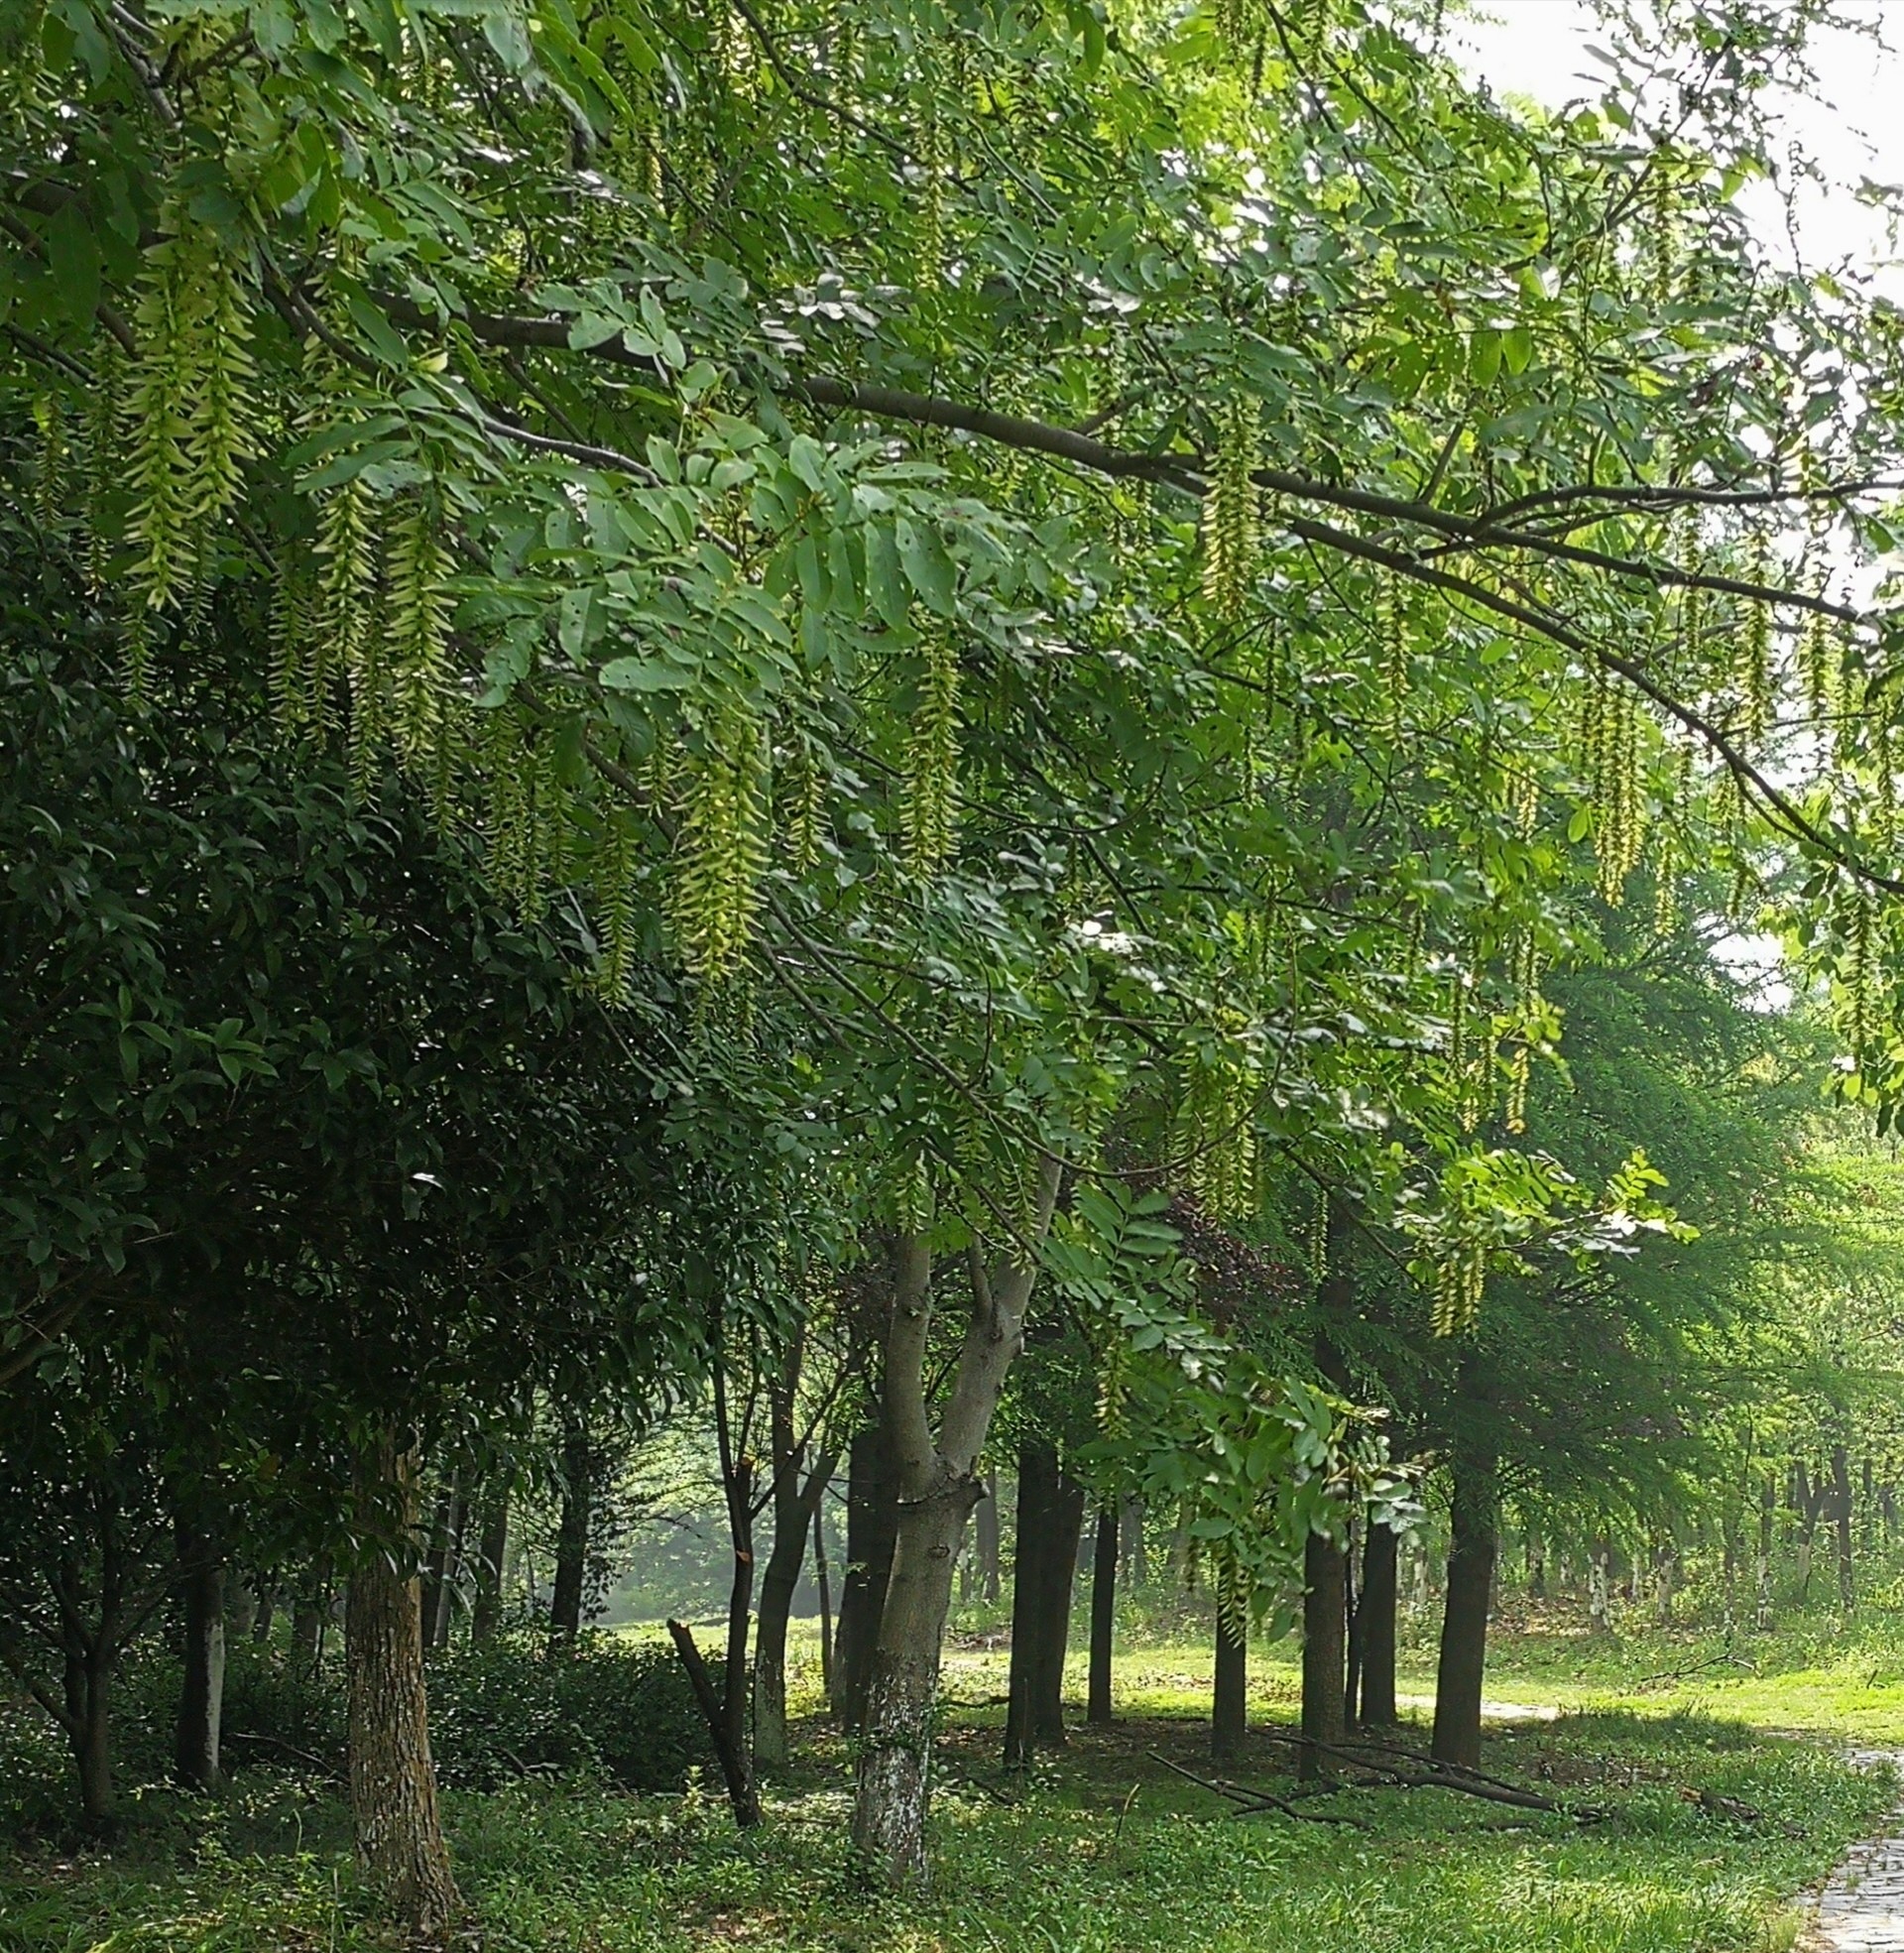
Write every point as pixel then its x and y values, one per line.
pixel 1862 1910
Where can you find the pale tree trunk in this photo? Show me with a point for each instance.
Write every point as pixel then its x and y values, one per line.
pixel 1842 1518
pixel 393 1783
pixel 1598 1586
pixel 202 1694
pixel 939 1487
pixel 1762 1567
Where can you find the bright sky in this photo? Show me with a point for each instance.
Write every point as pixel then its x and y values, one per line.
pixel 1539 48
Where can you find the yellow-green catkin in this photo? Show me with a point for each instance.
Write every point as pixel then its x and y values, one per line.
pixel 418 612
pixel 1231 517
pixel 1393 648
pixel 1858 978
pixel 1460 1277
pixel 189 420
pixel 615 912
pixel 1754 676
pixel 1614 754
pixel 720 846
pixel 1660 210
pixel 929 813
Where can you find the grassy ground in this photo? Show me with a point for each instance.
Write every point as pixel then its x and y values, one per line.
pixel 1106 1849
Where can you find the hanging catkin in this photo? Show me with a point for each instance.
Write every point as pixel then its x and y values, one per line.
pixel 931 806
pixel 1230 514
pixel 721 846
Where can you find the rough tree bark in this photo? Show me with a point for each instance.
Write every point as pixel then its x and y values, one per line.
pixel 938 1486
pixel 1104 1613
pixel 393 1783
pixel 872 1523
pixel 1380 1585
pixel 1464 1629
pixel 1229 1696
pixel 202 1694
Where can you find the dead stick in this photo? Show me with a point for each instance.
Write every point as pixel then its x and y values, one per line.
pixel 1250 1801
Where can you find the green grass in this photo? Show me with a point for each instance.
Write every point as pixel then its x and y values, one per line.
pixel 1104 1850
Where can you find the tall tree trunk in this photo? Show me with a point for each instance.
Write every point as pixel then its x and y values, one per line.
pixel 1104 1613
pixel 1463 1631
pixel 1808 1512
pixel 393 1783
pixel 308 1615
pixel 1323 1616
pixel 571 1538
pixel 91 1738
pixel 1377 1616
pixel 267 1611
pixel 826 1599
pixel 202 1694
pixel 1031 1549
pixel 938 1486
pixel 1230 1697
pixel 872 1523
pixel 1536 1565
pixel 1762 1569
pixel 1842 1518
pixel 491 1570
pixel 1325 1564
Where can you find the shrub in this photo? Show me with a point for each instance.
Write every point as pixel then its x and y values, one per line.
pixel 509 1709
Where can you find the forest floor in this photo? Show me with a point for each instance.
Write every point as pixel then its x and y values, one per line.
pixel 1728 1793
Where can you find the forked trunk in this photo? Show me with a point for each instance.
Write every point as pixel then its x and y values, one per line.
pixel 1464 1629
pixel 1104 1613
pixel 1376 1616
pixel 393 1783
pixel 901 1698
pixel 935 1477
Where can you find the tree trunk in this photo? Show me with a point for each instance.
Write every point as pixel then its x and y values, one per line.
pixel 1378 1617
pixel 1104 1613
pixel 1324 1615
pixel 795 1505
pixel 1665 1579
pixel 1463 1631
pixel 571 1540
pixel 1325 1564
pixel 1036 1519
pixel 1762 1571
pixel 1536 1565
pixel 492 1560
pixel 436 1573
pixel 936 1475
pixel 1044 1566
pixel 872 1523
pixel 1841 1516
pixel 1230 1698
pixel 307 1613
pixel 92 1743
pixel 1807 1510
pixel 1599 1589
pixel 201 1692
pixel 393 1783
pixel 267 1611
pixel 986 1541
pixel 1136 1562
pixel 444 1613
pixel 826 1599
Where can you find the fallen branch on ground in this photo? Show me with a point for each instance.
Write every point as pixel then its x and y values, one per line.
pixel 1251 1802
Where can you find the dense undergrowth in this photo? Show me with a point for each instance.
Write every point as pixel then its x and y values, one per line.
pixel 1105 1849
